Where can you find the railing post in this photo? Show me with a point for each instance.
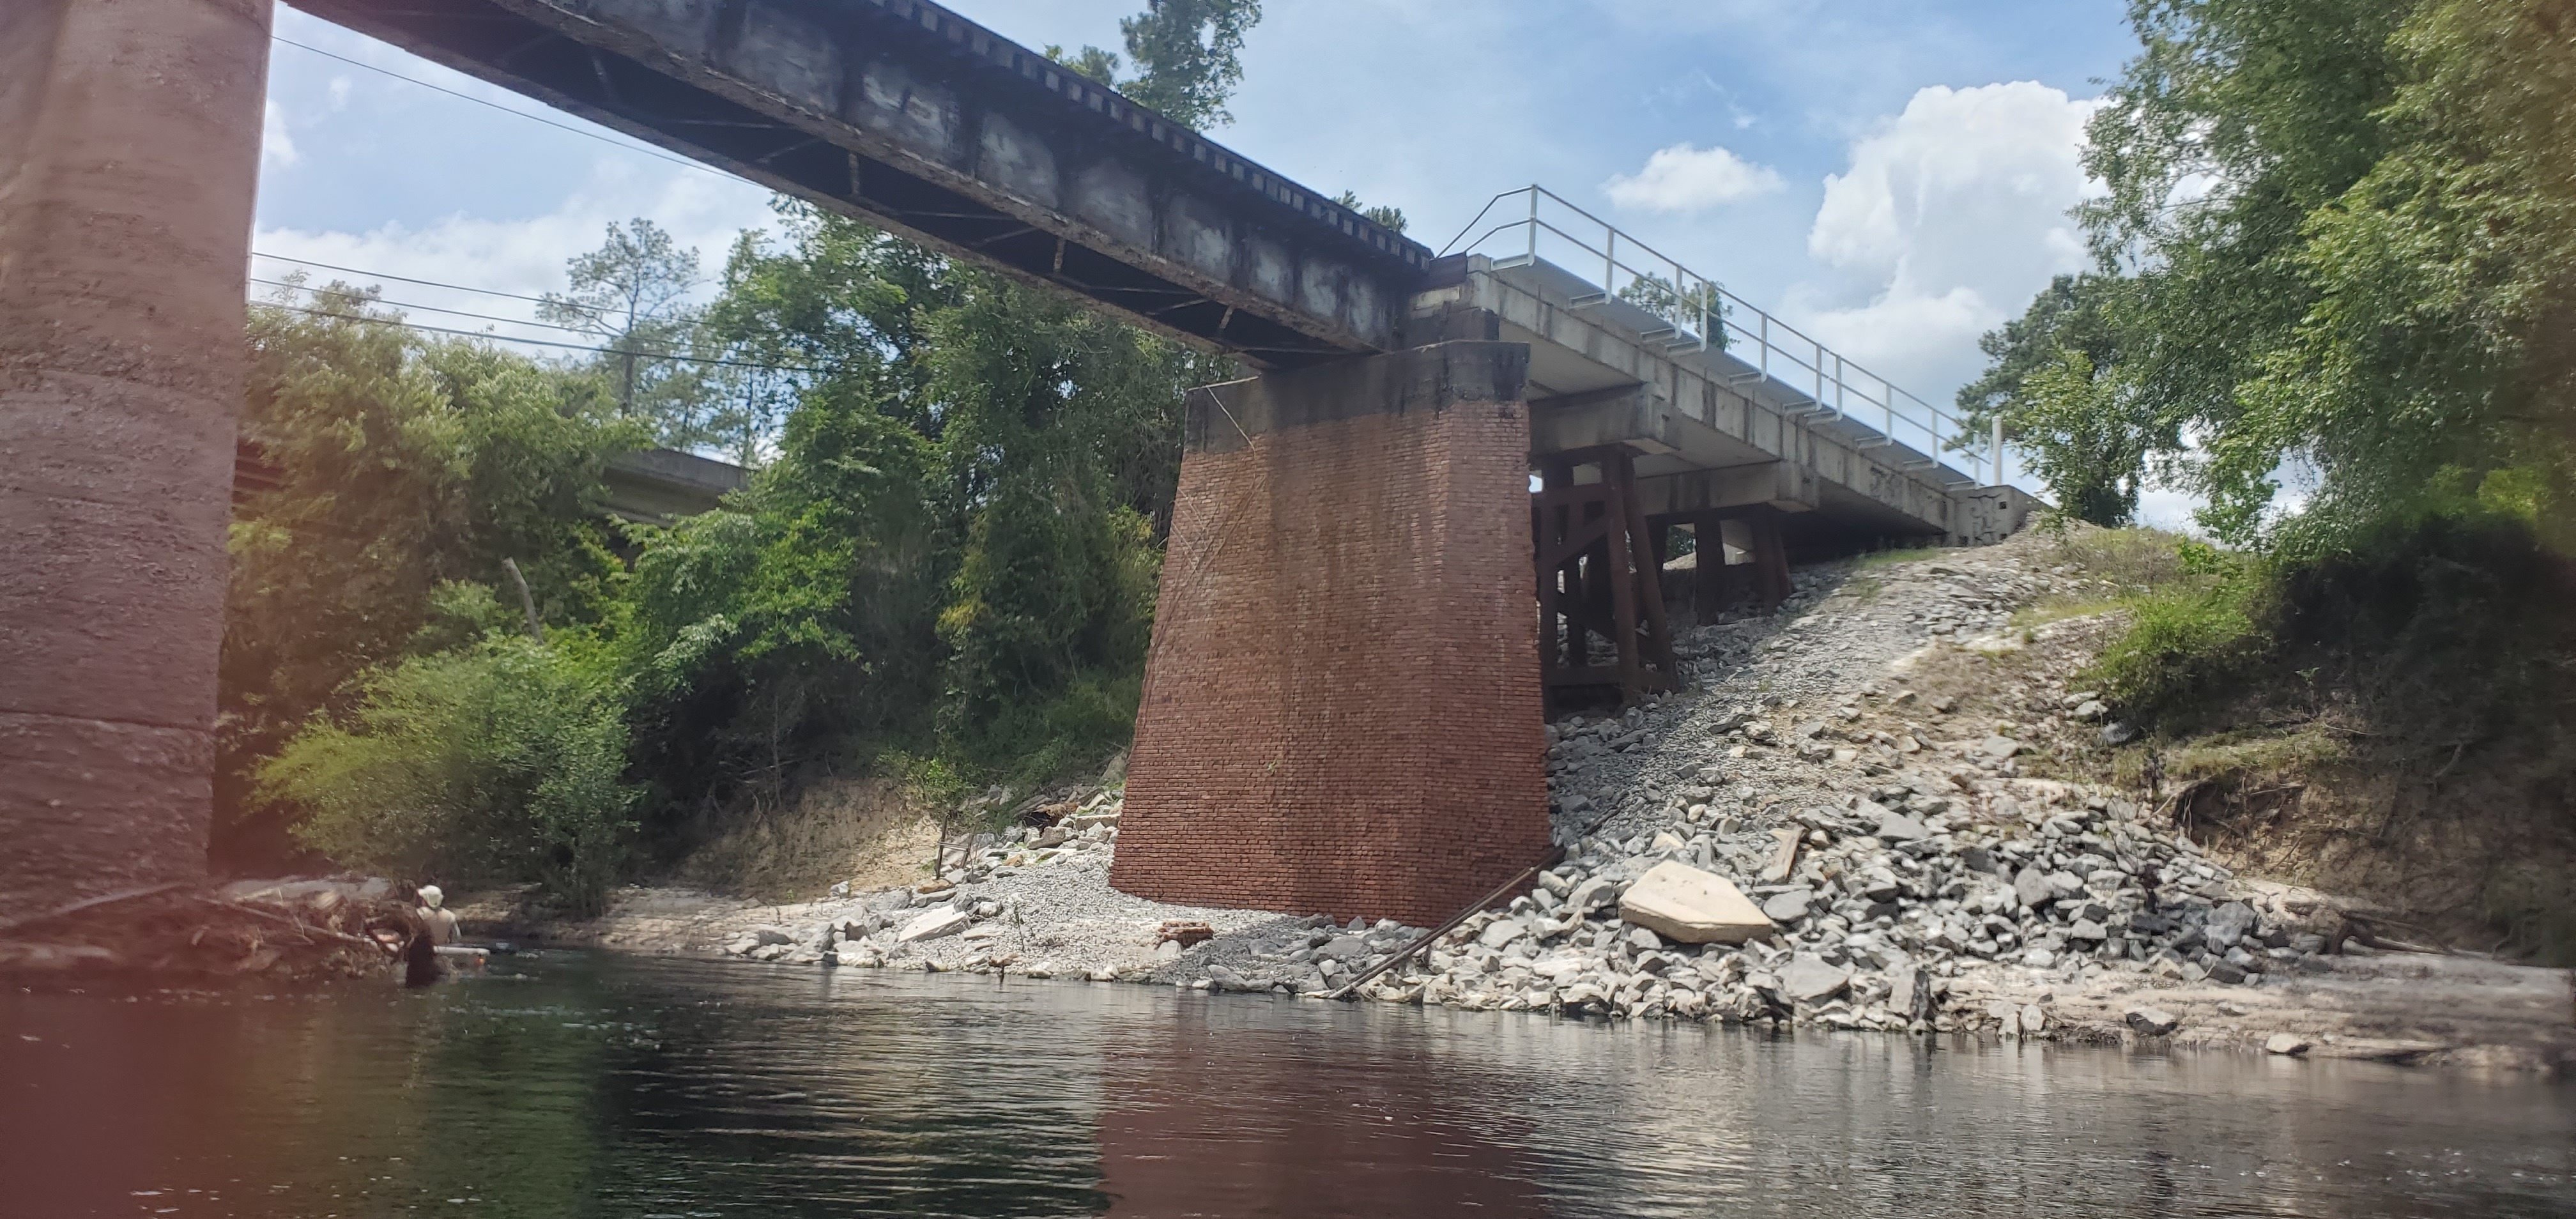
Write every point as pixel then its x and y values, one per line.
pixel 1533 224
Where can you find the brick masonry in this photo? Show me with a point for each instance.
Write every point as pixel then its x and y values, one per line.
pixel 1342 710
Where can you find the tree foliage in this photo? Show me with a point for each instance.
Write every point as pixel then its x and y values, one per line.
pixel 500 761
pixel 1188 56
pixel 945 562
pixel 2335 236
pixel 404 464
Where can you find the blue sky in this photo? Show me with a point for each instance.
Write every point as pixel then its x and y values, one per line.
pixel 1890 176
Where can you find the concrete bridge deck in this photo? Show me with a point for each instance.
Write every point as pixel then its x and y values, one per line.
pixel 1723 405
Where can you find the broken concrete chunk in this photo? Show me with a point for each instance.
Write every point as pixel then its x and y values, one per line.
pixel 2153 1021
pixel 1784 856
pixel 1690 906
pixel 1592 894
pixel 1909 991
pixel 2286 1044
pixel 1809 979
pixel 1894 826
pixel 1221 978
pixel 935 924
pixel 2228 924
pixel 1789 907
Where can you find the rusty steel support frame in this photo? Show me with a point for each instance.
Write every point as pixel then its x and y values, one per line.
pixel 1597 572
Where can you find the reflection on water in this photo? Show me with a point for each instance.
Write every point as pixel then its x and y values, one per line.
pixel 615 1087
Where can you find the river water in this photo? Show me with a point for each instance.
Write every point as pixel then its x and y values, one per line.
pixel 574 1085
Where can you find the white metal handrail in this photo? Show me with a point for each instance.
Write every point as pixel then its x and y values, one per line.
pixel 1699 313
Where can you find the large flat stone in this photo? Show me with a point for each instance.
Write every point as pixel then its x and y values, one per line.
pixel 933 925
pixel 1689 906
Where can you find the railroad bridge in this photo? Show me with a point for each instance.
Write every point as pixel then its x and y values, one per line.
pixel 1343 708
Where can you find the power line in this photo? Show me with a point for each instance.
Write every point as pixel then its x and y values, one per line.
pixel 480 317
pixel 534 118
pixel 503 338
pixel 426 283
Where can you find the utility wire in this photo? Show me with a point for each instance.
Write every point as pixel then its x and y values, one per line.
pixel 480 317
pixel 503 338
pixel 431 283
pixel 533 118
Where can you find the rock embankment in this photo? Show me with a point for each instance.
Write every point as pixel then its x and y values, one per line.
pixel 1833 842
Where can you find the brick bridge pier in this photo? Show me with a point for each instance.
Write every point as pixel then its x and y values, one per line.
pixel 1342 710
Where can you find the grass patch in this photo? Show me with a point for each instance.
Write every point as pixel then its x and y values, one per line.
pixel 1889 558
pixel 2035 616
pixel 2256 753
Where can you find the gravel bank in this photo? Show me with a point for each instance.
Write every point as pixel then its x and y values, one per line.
pixel 1916 880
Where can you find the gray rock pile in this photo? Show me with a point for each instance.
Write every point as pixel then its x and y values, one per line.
pixel 1800 837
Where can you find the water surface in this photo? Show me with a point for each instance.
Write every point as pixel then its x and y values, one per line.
pixel 571 1085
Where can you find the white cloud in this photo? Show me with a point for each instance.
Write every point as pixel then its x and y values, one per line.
pixel 1687 179
pixel 2167 508
pixel 1949 219
pixel 339 92
pixel 523 256
pixel 274 142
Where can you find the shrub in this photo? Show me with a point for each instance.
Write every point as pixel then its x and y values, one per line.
pixel 2182 646
pixel 497 762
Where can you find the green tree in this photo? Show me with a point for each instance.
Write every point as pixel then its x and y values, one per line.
pixel 2053 384
pixel 1187 55
pixel 2078 428
pixel 2238 119
pixel 2071 314
pixel 2336 236
pixel 403 464
pixel 1062 443
pixel 498 762
pixel 633 294
pixel 1391 217
pixel 2433 367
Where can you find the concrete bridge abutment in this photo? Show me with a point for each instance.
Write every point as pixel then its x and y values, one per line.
pixel 1342 710
pixel 129 158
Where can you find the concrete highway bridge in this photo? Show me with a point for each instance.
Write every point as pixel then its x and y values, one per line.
pixel 1344 703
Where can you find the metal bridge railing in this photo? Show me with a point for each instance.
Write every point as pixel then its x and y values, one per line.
pixel 1536 225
